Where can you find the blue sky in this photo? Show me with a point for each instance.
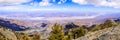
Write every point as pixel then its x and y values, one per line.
pixel 60 5
pixel 19 9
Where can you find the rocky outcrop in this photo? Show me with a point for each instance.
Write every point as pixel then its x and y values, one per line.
pixel 112 33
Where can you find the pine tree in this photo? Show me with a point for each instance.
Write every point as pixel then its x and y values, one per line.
pixel 57 33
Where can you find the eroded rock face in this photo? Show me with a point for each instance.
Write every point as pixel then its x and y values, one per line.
pixel 112 33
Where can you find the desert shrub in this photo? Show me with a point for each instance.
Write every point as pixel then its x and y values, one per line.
pixel 96 28
pixel 22 36
pixel 36 36
pixel 77 32
pixel 25 37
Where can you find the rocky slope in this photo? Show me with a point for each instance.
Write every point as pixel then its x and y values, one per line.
pixel 112 33
pixel 18 25
pixel 7 33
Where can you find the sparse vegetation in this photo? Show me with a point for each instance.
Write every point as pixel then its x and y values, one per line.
pixel 36 36
pixel 2 37
pixel 77 32
pixel 108 23
pixel 57 33
pixel 19 36
pixel 95 28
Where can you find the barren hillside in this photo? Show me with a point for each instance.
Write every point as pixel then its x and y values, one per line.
pixel 112 33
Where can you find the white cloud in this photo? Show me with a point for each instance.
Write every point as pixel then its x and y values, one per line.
pixel 42 3
pixel 62 1
pixel 45 3
pixel 22 8
pixel 110 3
pixel 80 1
pixel 13 2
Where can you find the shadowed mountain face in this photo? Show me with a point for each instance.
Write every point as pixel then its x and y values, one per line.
pixel 18 25
pixel 12 26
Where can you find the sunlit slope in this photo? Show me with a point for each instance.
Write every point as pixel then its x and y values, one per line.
pixel 112 33
pixel 8 34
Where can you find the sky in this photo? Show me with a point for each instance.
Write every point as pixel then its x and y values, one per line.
pixel 60 5
pixel 16 9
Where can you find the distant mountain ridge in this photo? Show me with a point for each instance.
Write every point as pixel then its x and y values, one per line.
pixel 18 25
pixel 14 26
